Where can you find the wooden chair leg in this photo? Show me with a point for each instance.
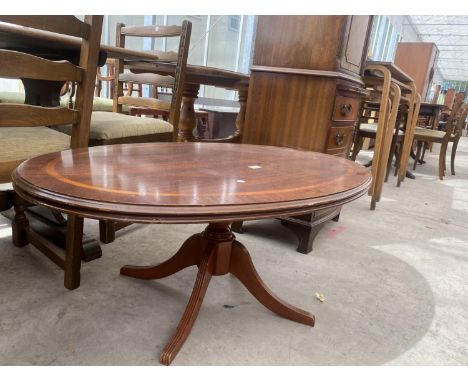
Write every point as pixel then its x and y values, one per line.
pixel 423 151
pixel 418 154
pixel 73 252
pixel 20 224
pixel 398 151
pixel 390 158
pixel 356 147
pixel 442 155
pixel 452 159
pixel 106 231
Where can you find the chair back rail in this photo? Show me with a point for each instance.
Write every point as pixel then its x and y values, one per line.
pixel 24 65
pixel 179 76
pixel 89 58
pixel 148 79
pixel 152 31
pixel 68 25
pixel 16 115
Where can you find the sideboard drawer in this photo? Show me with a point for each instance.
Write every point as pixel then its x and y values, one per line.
pixel 346 108
pixel 340 139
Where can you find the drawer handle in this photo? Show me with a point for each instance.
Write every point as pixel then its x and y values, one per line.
pixel 339 138
pixel 346 109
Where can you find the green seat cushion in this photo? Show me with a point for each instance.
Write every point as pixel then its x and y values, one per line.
pixel 106 125
pixel 99 104
pixel 20 143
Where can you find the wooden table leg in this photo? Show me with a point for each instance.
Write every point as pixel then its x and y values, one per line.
pixel 188 120
pixel 216 253
pixel 42 92
pixel 240 119
pixel 73 252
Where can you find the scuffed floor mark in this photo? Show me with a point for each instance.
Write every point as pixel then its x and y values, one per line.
pixel 334 232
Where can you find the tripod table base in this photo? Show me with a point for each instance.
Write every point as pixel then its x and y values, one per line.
pixel 216 253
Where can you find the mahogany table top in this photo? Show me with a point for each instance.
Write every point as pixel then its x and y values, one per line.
pixel 189 182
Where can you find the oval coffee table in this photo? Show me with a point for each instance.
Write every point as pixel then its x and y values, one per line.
pixel 214 183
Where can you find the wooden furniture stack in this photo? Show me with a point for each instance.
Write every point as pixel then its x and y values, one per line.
pixel 394 89
pixel 418 60
pixel 305 91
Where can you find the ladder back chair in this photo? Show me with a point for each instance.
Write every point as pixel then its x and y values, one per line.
pixel 24 131
pixel 155 80
pixel 122 128
pixel 117 127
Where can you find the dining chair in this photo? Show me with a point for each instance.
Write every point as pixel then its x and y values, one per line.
pixel 24 131
pixel 452 133
pixel 107 103
pixel 117 127
pixel 111 128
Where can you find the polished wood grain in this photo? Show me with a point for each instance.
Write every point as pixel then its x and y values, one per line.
pixel 293 41
pixel 171 182
pixel 273 116
pixel 418 60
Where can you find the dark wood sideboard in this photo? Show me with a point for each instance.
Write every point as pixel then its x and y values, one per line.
pixel 305 92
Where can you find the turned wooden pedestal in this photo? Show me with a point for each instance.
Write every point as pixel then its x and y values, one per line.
pixel 216 253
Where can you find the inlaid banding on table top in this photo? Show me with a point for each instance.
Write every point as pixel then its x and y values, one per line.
pixel 192 174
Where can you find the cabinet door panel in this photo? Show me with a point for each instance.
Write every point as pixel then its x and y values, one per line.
pixel 355 43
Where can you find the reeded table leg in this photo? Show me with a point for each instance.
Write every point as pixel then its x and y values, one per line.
pixel 216 253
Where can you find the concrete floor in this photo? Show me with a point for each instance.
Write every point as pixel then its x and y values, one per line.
pixel 394 280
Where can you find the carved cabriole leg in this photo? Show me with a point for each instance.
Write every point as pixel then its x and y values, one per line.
pixel 20 224
pixel 216 253
pixel 187 256
pixel 188 120
pixel 73 252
